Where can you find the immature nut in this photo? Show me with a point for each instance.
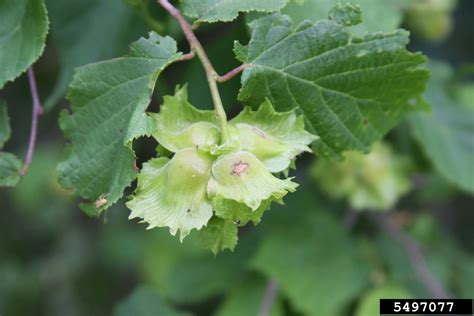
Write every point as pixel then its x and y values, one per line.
pixel 249 181
pixel 206 178
pixel 369 181
pixel 173 192
pixel 275 138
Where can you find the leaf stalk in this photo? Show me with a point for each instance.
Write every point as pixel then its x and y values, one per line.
pixel 36 112
pixel 231 74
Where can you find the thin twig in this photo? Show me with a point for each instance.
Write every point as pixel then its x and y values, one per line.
pixel 36 112
pixel 209 69
pixel 231 74
pixel 269 298
pixel 415 254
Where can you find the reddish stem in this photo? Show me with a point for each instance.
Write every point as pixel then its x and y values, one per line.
pixel 231 74
pixel 188 56
pixel 36 112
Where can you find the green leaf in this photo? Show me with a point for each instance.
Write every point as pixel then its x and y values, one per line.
pixel 463 90
pixel 447 134
pixel 346 14
pixel 219 235
pixel 86 31
pixel 5 130
pixel 370 303
pixel 378 15
pixel 466 277
pixel 312 258
pixel 23 30
pixel 146 301
pixel 227 10
pixel 186 273
pixel 10 167
pixel 239 213
pixel 173 193
pixel 274 138
pixel 241 52
pixel 180 125
pixel 39 187
pixel 351 89
pixel 242 177
pixel 369 182
pixel 108 103
pixel 246 299
pixel 146 10
pixel 440 253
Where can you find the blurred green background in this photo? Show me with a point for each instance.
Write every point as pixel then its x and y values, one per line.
pixel 327 257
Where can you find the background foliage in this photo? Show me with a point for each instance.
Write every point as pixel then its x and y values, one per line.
pixel 326 257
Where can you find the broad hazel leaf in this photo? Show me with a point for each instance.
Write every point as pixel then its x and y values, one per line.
pixel 352 90
pixel 108 100
pixel 242 177
pixel 219 235
pixel 378 15
pixel 317 264
pixel 227 10
pixel 10 167
pixel 172 193
pixel 180 125
pixel 5 130
pixel 346 14
pixel 240 51
pixel 274 138
pixel 23 30
pixel 447 134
